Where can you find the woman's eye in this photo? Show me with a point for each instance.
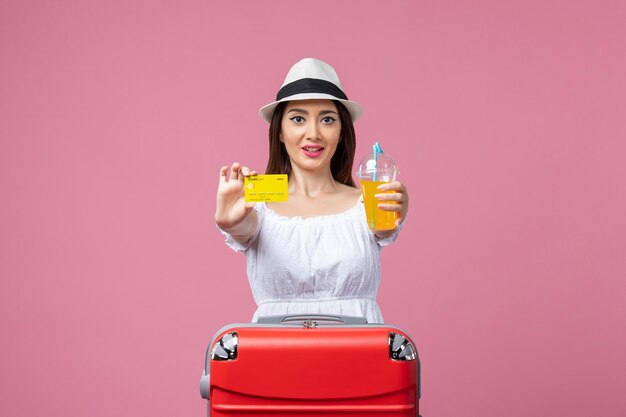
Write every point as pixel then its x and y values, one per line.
pixel 297 119
pixel 328 120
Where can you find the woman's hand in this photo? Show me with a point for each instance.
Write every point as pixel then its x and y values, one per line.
pixel 397 201
pixel 232 213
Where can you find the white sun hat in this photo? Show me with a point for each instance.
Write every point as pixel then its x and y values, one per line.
pixel 310 79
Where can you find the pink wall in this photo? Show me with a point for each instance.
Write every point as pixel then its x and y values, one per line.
pixel 507 119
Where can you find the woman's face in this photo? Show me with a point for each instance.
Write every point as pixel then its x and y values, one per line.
pixel 310 130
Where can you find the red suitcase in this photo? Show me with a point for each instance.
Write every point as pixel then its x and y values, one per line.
pixel 312 365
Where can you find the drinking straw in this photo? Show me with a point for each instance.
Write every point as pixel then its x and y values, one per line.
pixel 377 150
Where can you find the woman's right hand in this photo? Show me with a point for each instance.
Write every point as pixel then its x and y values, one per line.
pixel 232 210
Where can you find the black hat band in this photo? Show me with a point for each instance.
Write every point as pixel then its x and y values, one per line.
pixel 310 85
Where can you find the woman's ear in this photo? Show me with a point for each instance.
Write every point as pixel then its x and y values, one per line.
pixel 280 137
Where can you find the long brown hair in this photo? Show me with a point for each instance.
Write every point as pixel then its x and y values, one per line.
pixel 342 160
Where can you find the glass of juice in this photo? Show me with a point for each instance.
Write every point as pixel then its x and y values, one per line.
pixel 376 169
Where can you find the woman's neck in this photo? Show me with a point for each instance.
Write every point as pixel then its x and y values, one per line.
pixel 311 184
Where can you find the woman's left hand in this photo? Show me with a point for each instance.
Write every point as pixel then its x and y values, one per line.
pixel 394 196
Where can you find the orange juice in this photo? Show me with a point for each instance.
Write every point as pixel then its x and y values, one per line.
pixel 377 219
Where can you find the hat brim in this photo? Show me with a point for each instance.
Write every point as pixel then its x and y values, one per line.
pixel 353 107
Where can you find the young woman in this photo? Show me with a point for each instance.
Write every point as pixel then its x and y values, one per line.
pixel 315 252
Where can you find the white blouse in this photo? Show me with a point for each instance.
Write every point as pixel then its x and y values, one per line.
pixel 319 265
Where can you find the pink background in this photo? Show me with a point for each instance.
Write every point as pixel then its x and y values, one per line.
pixel 506 117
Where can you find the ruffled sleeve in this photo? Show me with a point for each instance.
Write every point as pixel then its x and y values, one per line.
pixel 242 247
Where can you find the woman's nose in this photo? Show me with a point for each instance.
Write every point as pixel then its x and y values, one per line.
pixel 312 131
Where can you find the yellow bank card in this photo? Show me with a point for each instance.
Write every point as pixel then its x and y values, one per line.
pixel 266 188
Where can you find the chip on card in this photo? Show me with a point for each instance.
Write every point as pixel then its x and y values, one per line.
pixel 269 188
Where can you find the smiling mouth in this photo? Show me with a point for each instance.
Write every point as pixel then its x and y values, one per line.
pixel 313 148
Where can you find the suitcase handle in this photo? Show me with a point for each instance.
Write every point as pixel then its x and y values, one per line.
pixel 304 318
